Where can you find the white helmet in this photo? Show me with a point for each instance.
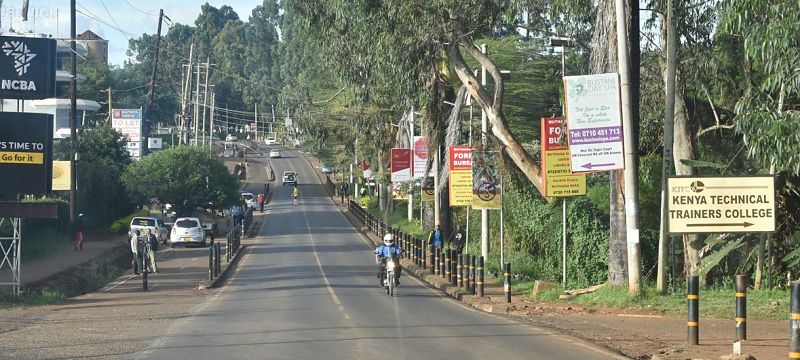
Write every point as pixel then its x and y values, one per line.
pixel 388 239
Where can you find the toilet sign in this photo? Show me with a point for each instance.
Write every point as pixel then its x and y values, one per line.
pixel 721 204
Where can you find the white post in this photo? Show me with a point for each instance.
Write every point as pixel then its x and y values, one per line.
pixel 205 102
pixel 631 148
pixel 255 116
pixel 484 131
pixel 564 243
pixel 436 186
pixel 197 106
pixel 411 186
pixel 211 122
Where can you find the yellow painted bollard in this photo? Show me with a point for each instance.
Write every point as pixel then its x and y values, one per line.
pixel 693 301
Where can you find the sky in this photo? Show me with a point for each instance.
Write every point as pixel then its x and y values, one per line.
pixel 113 20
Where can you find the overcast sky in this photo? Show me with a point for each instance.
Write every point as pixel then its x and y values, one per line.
pixel 119 20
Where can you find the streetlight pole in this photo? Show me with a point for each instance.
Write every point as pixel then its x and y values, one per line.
pixel 484 132
pixel 563 43
pixel 73 133
pixel 411 146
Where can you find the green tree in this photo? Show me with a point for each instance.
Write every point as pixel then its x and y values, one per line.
pixel 183 176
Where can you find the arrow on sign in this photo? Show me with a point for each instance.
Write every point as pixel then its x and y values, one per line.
pixel 742 224
pixel 590 165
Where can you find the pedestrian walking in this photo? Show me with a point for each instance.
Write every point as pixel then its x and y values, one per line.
pixel 457 240
pixel 236 213
pixel 152 247
pixel 261 201
pixel 342 192
pixel 79 233
pixel 136 251
pixel 435 238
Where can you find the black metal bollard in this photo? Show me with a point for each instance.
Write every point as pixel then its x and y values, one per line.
pixel 794 321
pixel 416 251
pixel 448 273
pixel 693 301
pixel 441 263
pixel 219 258
pixel 228 247
pixel 467 274
pixel 210 263
pixel 423 255
pixel 741 307
pixel 436 267
pixel 507 281
pixel 473 273
pixel 459 272
pixel 479 269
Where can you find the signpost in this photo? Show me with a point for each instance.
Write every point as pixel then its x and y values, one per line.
pixel 401 165
pixel 460 166
pixel 594 122
pixel 26 154
pixel 558 179
pixel 420 147
pixel 487 189
pixel 129 123
pixel 27 68
pixel 721 204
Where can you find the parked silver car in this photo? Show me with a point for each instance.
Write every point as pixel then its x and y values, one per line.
pixel 187 231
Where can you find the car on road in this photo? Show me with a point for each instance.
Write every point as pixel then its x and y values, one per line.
pixel 271 141
pixel 249 199
pixel 326 169
pixel 231 137
pixel 154 224
pixel 289 177
pixel 274 153
pixel 187 231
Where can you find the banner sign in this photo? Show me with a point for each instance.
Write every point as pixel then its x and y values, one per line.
pixel 557 178
pixel 420 157
pixel 721 204
pixel 428 189
pixel 401 164
pixel 129 123
pixel 26 154
pixel 27 67
pixel 460 166
pixel 594 122
pixel 62 174
pixel 487 189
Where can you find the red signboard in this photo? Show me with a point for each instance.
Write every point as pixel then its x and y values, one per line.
pixel 554 134
pixel 401 165
pixel 460 158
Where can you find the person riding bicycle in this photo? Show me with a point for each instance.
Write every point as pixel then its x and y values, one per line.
pixel 385 251
pixel 295 194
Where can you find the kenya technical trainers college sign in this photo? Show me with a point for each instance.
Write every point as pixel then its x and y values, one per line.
pixel 27 67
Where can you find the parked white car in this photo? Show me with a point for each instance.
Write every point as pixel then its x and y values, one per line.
pixel 154 224
pixel 271 141
pixel 274 153
pixel 249 199
pixel 187 231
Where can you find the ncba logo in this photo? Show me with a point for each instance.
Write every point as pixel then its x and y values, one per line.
pixel 21 54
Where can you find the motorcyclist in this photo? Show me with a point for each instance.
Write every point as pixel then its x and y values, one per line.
pixel 382 252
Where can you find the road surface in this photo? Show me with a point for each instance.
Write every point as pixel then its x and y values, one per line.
pixel 307 289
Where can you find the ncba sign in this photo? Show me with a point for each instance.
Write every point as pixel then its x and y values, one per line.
pixel 27 67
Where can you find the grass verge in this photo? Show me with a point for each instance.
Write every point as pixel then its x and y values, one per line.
pixel 37 298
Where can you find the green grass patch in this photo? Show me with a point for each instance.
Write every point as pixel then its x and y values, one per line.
pixel 46 297
pixel 715 303
pixel 399 218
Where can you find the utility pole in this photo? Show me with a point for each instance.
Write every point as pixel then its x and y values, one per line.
pixel 109 105
pixel 205 102
pixel 484 131
pixel 73 133
pixel 669 135
pixel 271 130
pixel 411 146
pixel 149 106
pixel 197 105
pixel 255 115
pixel 211 125
pixel 185 86
pixel 631 152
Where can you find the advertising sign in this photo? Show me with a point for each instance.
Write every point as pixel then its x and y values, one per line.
pixel 26 154
pixel 721 204
pixel 420 157
pixel 557 178
pixel 62 173
pixel 129 123
pixel 594 122
pixel 428 189
pixel 27 67
pixel 155 143
pixel 401 165
pixel 460 166
pixel 487 189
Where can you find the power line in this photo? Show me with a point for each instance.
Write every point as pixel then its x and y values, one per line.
pixel 139 10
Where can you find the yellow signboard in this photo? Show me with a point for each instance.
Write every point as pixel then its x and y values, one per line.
pixel 460 166
pixel 558 179
pixel 21 157
pixel 721 204
pixel 62 173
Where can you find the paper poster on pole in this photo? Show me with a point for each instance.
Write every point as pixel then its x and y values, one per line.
pixel 420 148
pixel 594 122
pixel 62 174
pixel 460 166
pixel 557 179
pixel 487 188
pixel 401 164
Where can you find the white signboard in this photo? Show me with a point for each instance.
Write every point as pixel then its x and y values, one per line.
pixel 129 123
pixel 594 122
pixel 721 204
pixel 420 156
pixel 134 145
pixel 154 143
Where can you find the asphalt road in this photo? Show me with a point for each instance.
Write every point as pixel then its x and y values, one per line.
pixel 306 288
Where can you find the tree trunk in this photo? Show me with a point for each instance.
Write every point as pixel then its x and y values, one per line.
pixel 762 240
pixel 682 149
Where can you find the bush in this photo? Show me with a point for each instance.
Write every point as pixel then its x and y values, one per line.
pixel 122 225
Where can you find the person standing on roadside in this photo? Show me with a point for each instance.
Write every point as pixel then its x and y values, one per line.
pixel 135 250
pixel 457 240
pixel 152 247
pixel 435 239
pixel 79 233
pixel 261 201
pixel 236 213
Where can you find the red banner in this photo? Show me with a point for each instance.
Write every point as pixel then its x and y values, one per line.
pixel 460 158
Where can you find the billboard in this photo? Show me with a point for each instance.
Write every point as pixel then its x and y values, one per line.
pixel 487 187
pixel 460 166
pixel 401 164
pixel 129 123
pixel 420 157
pixel 594 122
pixel 26 154
pixel 558 180
pixel 27 67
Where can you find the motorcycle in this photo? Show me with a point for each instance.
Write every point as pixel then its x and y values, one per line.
pixel 389 276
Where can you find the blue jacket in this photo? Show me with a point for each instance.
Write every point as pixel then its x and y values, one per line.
pixel 387 251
